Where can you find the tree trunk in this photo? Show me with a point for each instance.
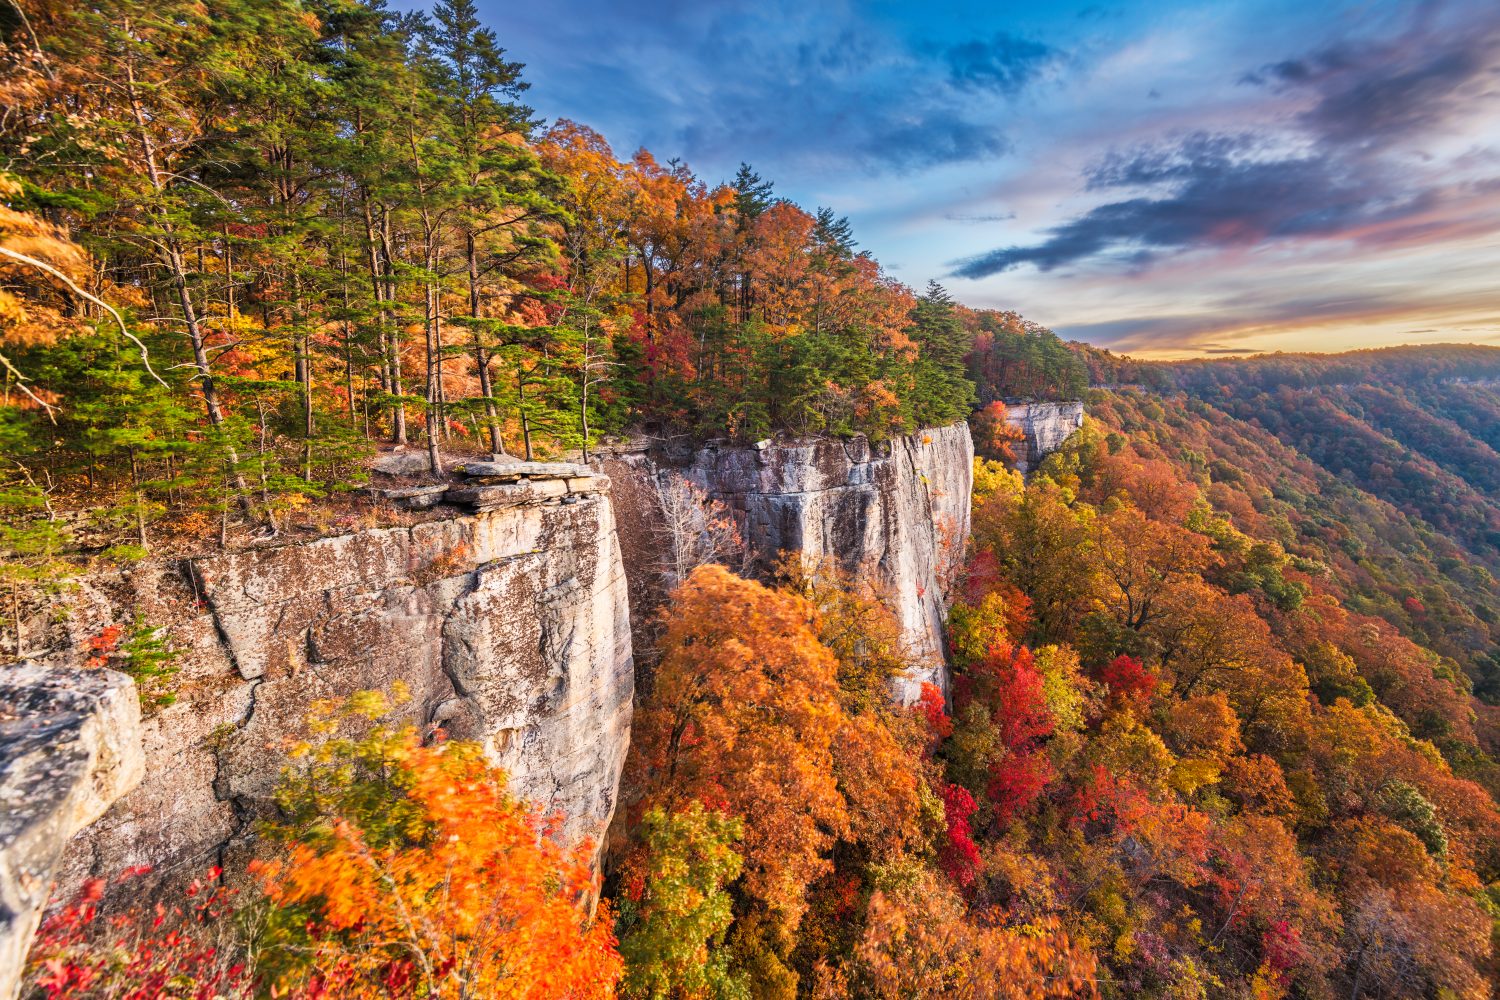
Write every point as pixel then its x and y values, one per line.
pixel 434 390
pixel 481 356
pixel 172 252
pixel 521 399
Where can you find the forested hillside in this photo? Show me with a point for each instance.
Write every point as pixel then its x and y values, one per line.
pixel 245 242
pixel 1413 426
pixel 1220 710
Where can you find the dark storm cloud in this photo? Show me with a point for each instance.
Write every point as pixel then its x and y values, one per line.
pixel 1223 191
pixel 1231 190
pixel 1396 90
pixel 1004 64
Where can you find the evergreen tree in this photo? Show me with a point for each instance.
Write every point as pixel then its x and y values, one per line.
pixel 941 390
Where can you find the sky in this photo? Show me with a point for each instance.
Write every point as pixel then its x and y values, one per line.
pixel 1162 179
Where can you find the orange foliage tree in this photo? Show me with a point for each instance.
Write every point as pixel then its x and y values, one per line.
pixel 920 943
pixel 742 717
pixel 411 871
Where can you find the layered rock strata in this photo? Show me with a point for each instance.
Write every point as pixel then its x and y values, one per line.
pixel 508 626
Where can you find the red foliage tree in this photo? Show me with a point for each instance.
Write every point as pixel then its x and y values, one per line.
pixel 1130 683
pixel 958 854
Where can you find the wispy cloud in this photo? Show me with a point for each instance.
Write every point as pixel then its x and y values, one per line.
pixel 1004 63
pixel 1335 170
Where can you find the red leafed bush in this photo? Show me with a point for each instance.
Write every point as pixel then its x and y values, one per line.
pixel 1010 689
pixel 933 711
pixel 1129 682
pixel 141 954
pixel 1017 781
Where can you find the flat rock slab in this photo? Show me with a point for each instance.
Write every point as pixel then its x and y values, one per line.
pixel 495 496
pixel 511 471
pixel 408 492
pixel 409 497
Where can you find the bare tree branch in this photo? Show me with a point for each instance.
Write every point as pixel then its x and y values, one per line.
pixel 73 286
pixel 21 384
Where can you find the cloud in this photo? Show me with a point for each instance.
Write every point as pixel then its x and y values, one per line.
pixel 1252 320
pixel 976 219
pixel 1222 191
pixel 1004 63
pixel 810 91
pixel 1338 166
pixel 1399 89
pixel 938 136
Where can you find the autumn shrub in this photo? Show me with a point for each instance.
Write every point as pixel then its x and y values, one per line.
pixel 410 871
pixel 674 907
pixel 184 949
pixel 958 854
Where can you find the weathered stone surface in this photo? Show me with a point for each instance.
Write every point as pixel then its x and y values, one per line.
pixel 405 492
pixel 409 497
pixel 511 471
pixel 509 628
pixel 502 495
pixel 70 745
pixel 421 501
pixel 402 463
pixel 1046 426
pixel 894 514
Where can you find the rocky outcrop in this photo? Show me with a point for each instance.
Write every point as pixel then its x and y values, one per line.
pixel 894 514
pixel 508 622
pixel 1046 426
pixel 70 745
pixel 509 627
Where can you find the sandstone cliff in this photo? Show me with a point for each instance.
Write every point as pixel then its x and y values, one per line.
pixel 70 745
pixel 509 626
pixel 895 514
pixel 1046 426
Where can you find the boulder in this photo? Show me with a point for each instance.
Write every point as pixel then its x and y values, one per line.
pixel 402 463
pixel 70 745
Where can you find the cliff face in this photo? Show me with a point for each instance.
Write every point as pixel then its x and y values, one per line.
pixel 1046 426
pixel 895 514
pixel 509 627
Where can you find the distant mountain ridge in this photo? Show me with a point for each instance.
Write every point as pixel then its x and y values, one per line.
pixel 1381 465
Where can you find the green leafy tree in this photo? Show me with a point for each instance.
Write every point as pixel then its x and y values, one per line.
pixel 677 909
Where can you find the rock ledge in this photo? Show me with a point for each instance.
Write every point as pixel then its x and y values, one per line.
pixel 70 745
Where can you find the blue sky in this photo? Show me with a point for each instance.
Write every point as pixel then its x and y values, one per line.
pixel 1165 179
